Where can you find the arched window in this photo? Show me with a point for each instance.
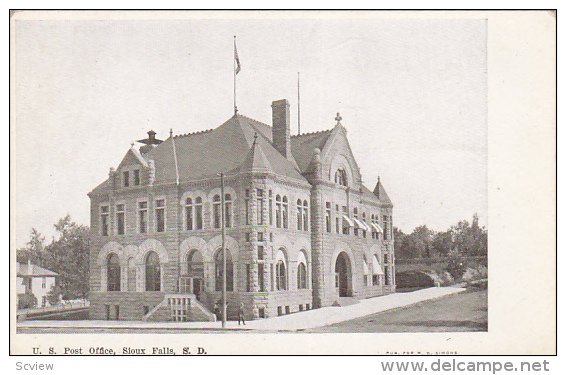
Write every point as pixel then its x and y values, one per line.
pixel 299 214
pixel 278 211
pixel 219 271
pixel 340 177
pixel 281 275
pixel 152 273
pixel 280 271
pixel 285 213
pixel 227 210
pixel 305 215
pixel 302 276
pixel 198 213
pixel 189 214
pixel 113 273
pixel 195 264
pixel 216 211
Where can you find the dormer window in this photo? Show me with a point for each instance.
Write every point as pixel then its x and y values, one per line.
pixel 136 177
pixel 126 178
pixel 340 177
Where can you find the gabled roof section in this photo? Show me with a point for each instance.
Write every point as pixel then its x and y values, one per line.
pixel 204 154
pixel 303 145
pixel 133 156
pixel 24 270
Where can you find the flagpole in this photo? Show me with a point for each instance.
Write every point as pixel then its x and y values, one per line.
pixel 224 278
pixel 299 102
pixel 234 58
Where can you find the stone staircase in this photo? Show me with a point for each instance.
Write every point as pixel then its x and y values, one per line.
pixel 345 301
pixel 180 308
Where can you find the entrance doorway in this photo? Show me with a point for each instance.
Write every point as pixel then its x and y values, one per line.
pixel 343 275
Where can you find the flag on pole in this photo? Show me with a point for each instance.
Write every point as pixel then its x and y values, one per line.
pixel 238 66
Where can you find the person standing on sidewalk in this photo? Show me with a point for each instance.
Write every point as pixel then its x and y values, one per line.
pixel 241 314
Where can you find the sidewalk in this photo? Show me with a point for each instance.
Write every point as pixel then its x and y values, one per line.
pixel 298 321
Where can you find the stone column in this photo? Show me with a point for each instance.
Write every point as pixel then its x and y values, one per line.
pixel 317 230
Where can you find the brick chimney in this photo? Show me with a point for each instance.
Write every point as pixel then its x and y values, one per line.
pixel 281 127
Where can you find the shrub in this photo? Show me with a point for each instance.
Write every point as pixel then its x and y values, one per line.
pixel 26 301
pixel 456 268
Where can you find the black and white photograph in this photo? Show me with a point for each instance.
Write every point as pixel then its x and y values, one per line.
pixel 297 174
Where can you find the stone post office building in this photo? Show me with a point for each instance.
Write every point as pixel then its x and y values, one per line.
pixel 301 230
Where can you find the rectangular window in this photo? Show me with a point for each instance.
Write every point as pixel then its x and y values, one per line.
pixel 107 307
pixel 278 214
pixel 270 207
pixel 260 277
pixel 120 218
pixel 386 272
pixel 189 217
pixel 43 282
pixel 248 278
pixel 338 219
pixel 260 236
pixel 260 252
pixel 287 310
pixel 142 217
pixel 279 310
pixel 126 178
pixel 308 306
pixel 136 177
pixel 259 206
pixel 285 214
pixel 145 310
pixel 345 225
pixel 247 203
pixel 261 312
pixel 299 217
pixel 198 214
pixel 104 212
pixel 117 312
pixel 216 214
pixel 227 213
pixel 328 218
pixel 356 230
pixel 375 279
pixel 300 307
pixel 160 215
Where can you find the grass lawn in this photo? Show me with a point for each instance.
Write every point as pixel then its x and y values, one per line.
pixel 462 312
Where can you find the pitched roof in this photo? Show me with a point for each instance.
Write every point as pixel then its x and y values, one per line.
pixel 380 193
pixel 202 155
pixel 24 270
pixel 303 145
pixel 255 160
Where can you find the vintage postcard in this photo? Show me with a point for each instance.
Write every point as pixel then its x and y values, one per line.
pixel 269 182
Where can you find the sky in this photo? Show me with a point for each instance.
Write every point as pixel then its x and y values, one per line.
pixel 412 94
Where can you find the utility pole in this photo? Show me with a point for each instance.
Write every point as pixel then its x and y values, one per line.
pixel 222 199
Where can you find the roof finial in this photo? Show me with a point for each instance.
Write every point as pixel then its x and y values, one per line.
pixel 378 179
pixel 338 118
pixel 132 145
pixel 255 139
pixel 170 132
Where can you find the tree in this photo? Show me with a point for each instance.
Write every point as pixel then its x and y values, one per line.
pixel 68 255
pixel 420 240
pixel 53 295
pixel 470 240
pixel 34 250
pixel 442 243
